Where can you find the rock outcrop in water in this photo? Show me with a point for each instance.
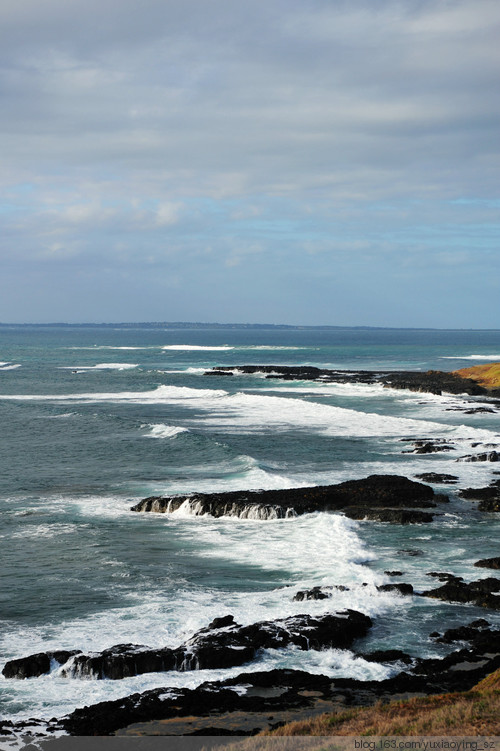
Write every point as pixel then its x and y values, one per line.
pixel 432 381
pixel 253 701
pixel 493 563
pixel 439 478
pixel 481 592
pixel 488 497
pixel 389 498
pixel 37 664
pixel 217 646
pixel 486 456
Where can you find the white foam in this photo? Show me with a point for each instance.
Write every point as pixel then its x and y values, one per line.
pixel 319 388
pixel 156 618
pixel 253 413
pixel 159 395
pixel 184 371
pixel 160 430
pixel 9 366
pixel 195 348
pixel 106 346
pixel 287 544
pixel 471 357
pixel 62 416
pixel 332 662
pixel 52 695
pixel 102 366
pixel 47 530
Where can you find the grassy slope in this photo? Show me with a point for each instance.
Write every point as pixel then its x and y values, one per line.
pixel 486 375
pixel 472 713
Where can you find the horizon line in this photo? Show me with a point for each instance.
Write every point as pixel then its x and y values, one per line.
pixel 207 325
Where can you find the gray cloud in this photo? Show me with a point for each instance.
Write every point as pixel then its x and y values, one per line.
pixel 245 131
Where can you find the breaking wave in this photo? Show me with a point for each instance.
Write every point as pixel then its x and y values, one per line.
pixel 164 431
pixel 470 357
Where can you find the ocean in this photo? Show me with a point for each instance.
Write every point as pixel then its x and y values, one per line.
pixel 94 419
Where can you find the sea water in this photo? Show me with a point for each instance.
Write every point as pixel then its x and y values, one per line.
pixel 94 419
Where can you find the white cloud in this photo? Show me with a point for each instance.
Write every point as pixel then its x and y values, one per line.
pixel 168 213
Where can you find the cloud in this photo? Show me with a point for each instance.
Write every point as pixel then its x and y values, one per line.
pixel 254 134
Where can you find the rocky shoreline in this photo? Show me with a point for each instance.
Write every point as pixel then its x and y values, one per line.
pixel 432 381
pixel 255 701
pixel 251 702
pixel 262 700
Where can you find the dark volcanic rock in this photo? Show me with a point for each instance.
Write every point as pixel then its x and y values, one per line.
pixel 226 620
pixel 36 664
pixel 279 690
pixel 477 634
pixel 316 593
pixel 436 477
pixel 126 660
pixel 217 646
pixel 477 592
pixel 488 563
pixel 386 492
pixel 433 381
pixel 491 505
pixel 442 576
pixel 412 552
pixel 428 447
pixel 478 410
pixel 386 655
pixel 393 573
pixel 401 588
pixel 393 516
pixel 274 691
pixel 490 492
pixel 487 456
pixel 488 497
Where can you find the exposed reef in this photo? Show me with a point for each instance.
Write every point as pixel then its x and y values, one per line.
pixel 438 478
pixel 493 563
pixel 254 701
pixel 432 381
pixel 481 592
pixel 488 497
pixel 222 644
pixel 388 498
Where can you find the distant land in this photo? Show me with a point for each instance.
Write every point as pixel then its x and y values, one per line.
pixel 236 326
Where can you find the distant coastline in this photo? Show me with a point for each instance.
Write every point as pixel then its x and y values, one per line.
pixel 235 326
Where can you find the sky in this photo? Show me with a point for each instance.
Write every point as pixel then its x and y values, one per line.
pixel 330 162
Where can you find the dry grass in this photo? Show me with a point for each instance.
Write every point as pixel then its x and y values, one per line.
pixel 472 713
pixel 486 375
pixel 490 683
pixel 469 714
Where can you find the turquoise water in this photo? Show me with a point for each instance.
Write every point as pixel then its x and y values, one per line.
pixel 94 419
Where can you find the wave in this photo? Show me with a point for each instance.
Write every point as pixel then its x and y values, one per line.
pixel 274 347
pixel 471 357
pixel 196 348
pixel 248 413
pixel 108 346
pixel 47 530
pixel 185 371
pixel 101 366
pixel 165 431
pixel 9 366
